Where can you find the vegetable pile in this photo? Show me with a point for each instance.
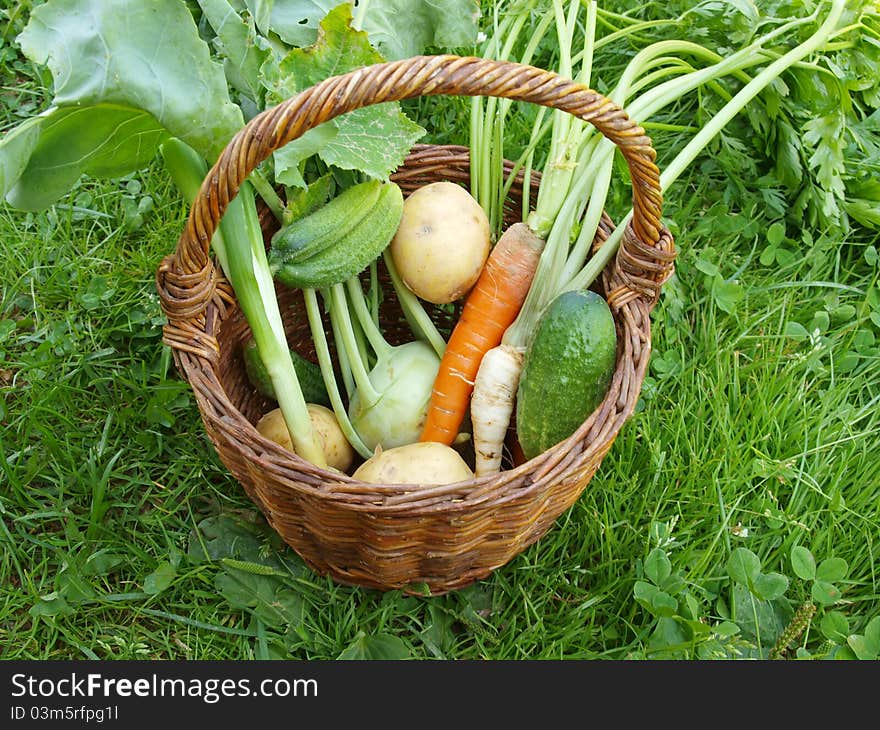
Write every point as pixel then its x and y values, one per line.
pixel 534 346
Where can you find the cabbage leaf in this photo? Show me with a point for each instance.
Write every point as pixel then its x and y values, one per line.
pixel 126 75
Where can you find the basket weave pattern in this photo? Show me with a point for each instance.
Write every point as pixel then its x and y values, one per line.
pixel 405 536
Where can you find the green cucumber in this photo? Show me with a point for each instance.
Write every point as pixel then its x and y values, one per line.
pixel 324 227
pixel 311 381
pixel 354 251
pixel 566 370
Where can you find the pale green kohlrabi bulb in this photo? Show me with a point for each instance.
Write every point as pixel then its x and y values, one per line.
pixel 404 378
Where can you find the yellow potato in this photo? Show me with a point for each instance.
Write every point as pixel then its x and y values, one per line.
pixel 423 462
pixel 337 450
pixel 442 242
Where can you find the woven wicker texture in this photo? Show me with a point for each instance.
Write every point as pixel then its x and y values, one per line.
pixel 409 537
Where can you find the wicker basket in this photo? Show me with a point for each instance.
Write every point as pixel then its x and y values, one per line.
pixel 408 537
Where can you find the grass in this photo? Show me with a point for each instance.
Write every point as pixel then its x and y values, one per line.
pixel 756 438
pixel 746 437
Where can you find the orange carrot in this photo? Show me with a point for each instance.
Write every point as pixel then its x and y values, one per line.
pixel 491 306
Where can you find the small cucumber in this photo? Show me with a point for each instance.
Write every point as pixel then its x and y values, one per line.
pixel 354 251
pixel 566 371
pixel 324 227
pixel 311 382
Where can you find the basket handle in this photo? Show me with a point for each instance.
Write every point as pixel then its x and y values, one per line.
pixel 644 247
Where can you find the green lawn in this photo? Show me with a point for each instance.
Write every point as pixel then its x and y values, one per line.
pixel 736 516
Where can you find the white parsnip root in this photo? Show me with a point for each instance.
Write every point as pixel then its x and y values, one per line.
pixel 492 404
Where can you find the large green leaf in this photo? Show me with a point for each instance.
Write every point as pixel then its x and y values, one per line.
pixel 15 151
pixel 398 28
pixel 339 48
pixel 374 140
pixel 289 157
pixel 261 11
pixel 142 55
pixel 404 28
pixel 296 21
pixel 104 140
pixel 238 42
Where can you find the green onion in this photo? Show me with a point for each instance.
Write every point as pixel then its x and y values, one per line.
pixel 238 244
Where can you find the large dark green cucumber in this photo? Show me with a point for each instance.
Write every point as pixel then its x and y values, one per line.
pixel 311 381
pixel 566 371
pixel 324 227
pixel 354 251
